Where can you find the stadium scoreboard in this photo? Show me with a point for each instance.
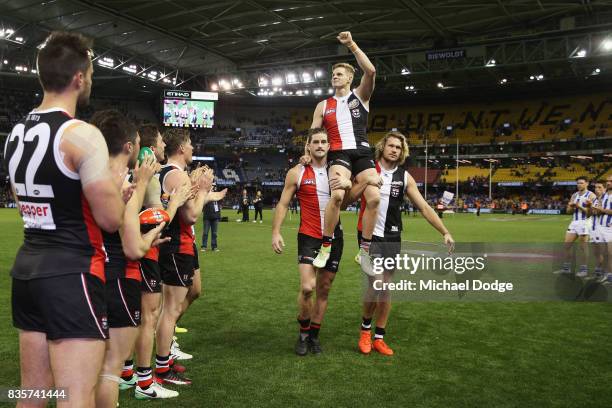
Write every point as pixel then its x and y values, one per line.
pixel 192 109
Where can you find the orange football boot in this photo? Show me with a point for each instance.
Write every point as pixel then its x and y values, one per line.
pixel 365 342
pixel 380 346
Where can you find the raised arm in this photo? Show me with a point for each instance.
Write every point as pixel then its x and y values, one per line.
pixel 366 87
pixel 281 209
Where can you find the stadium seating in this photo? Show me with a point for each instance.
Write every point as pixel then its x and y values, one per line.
pixel 418 173
pixel 465 173
pixel 531 120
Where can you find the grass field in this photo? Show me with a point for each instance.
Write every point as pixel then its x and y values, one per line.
pixel 242 331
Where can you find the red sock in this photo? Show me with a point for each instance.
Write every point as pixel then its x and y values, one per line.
pixel 145 377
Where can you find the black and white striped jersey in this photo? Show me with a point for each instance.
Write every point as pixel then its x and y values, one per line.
pixel 392 192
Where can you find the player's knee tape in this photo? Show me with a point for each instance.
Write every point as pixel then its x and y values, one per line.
pixel 111 377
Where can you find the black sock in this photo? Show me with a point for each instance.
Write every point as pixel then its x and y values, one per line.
pixel 366 324
pixel 304 327
pixel 327 241
pixel 365 244
pixel 379 333
pixel 314 330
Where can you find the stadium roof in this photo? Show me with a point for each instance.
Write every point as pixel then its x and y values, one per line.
pixel 195 40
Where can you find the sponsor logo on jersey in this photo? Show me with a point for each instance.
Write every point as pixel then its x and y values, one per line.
pixel 329 111
pixel 37 215
pixel 353 104
pixel 356 113
pixel 309 181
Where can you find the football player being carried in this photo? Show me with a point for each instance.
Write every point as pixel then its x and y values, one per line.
pixel 345 117
pixel 311 185
pixel 391 152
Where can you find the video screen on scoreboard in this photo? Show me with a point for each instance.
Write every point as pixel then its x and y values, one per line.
pixel 186 109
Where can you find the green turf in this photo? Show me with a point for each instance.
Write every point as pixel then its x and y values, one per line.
pixel 242 331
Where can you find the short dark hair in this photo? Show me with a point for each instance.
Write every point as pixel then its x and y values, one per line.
pixel 116 129
pixel 60 57
pixel 148 134
pixel 174 138
pixel 314 131
pixel 582 178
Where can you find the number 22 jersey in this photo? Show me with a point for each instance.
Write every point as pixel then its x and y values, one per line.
pixel 60 234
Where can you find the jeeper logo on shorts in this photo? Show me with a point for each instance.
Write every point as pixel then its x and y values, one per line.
pixel 353 104
pixel 356 113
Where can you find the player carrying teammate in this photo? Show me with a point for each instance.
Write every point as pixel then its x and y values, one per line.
pixel 59 172
pixel 311 185
pixel 578 228
pixel 345 117
pixel 390 154
pixel 176 258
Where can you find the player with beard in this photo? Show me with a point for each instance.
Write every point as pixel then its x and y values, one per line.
pixel 345 117
pixel 124 248
pixel 311 185
pixel 390 154
pixel 176 258
pixel 59 172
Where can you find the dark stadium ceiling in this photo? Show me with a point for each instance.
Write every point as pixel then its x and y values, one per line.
pixel 198 43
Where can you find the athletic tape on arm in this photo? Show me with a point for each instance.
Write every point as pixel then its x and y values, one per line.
pixel 94 164
pixel 153 194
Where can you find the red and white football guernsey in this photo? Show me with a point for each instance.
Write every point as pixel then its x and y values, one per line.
pixel 346 121
pixel 313 195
